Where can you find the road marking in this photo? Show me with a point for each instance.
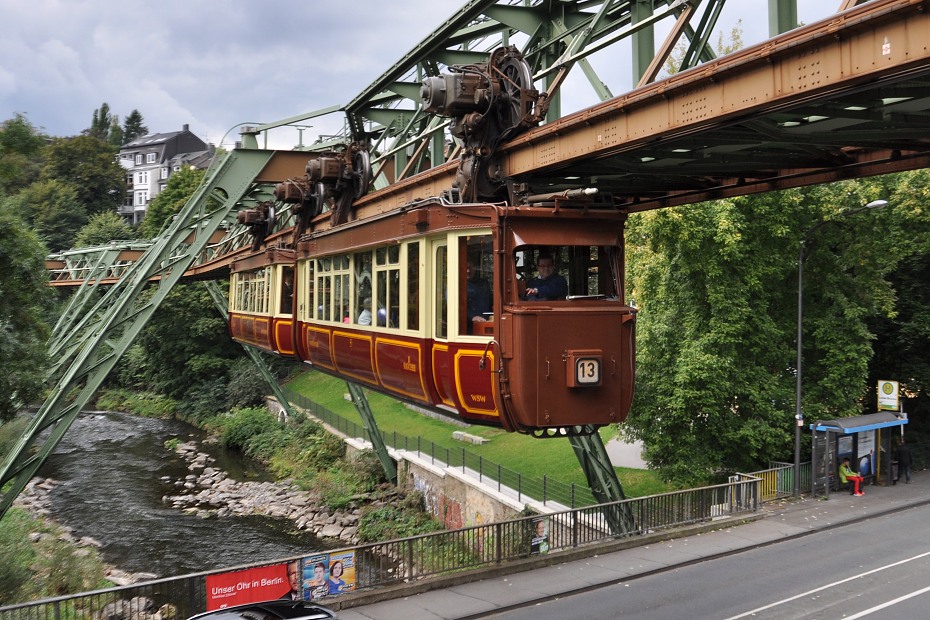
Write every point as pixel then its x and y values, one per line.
pixel 866 612
pixel 836 583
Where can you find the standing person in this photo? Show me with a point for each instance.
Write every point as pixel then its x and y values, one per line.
pixel 848 475
pixel 905 460
pixel 548 284
pixel 478 294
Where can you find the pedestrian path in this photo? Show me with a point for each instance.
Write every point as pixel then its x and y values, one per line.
pixel 780 520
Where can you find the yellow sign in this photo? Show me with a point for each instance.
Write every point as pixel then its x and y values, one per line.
pixel 888 396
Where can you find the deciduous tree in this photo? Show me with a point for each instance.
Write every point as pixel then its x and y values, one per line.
pixel 103 228
pixel 87 163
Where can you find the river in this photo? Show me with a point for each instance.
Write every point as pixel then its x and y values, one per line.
pixel 110 468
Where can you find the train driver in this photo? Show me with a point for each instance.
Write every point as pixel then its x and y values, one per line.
pixel 548 284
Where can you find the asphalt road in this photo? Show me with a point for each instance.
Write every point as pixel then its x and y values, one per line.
pixel 875 568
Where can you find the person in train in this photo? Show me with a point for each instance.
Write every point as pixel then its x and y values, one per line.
pixel 478 293
pixel 364 318
pixel 548 284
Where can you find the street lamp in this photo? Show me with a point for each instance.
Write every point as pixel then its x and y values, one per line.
pixel 798 414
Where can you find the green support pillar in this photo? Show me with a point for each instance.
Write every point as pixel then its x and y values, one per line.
pixel 644 44
pixel 374 433
pixel 783 16
pixel 602 478
pixel 222 305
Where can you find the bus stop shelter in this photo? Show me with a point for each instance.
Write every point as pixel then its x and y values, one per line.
pixel 867 440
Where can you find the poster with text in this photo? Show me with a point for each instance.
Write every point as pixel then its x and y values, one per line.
pixel 540 542
pixel 248 586
pixel 316 576
pixel 341 572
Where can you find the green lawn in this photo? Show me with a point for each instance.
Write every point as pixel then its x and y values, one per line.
pixel 530 457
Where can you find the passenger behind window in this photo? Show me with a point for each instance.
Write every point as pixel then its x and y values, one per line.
pixel 364 318
pixel 478 294
pixel 547 285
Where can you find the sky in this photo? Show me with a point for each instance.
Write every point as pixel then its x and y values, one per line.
pixel 217 64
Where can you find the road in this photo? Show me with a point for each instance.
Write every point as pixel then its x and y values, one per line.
pixel 877 568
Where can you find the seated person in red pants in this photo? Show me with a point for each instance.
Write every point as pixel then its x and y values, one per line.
pixel 848 475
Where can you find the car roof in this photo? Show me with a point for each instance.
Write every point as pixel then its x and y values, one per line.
pixel 269 610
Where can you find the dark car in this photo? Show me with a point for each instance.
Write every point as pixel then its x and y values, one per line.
pixel 281 609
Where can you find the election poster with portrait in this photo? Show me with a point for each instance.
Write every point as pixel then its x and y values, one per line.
pixel 540 542
pixel 316 576
pixel 341 572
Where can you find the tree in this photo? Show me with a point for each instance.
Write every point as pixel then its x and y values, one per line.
pixel 103 228
pixel 54 210
pixel 21 146
pixel 134 127
pixel 181 186
pixel 25 304
pixel 115 135
pixel 717 284
pixel 89 164
pixel 100 122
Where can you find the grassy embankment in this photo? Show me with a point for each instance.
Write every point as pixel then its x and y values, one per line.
pixel 520 453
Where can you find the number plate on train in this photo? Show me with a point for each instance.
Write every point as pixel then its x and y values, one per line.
pixel 584 368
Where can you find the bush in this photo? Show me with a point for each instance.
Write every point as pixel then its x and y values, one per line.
pixel 389 522
pixel 241 425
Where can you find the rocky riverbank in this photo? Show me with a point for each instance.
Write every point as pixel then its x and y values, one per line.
pixel 211 493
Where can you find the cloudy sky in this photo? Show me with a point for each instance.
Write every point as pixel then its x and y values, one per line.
pixel 215 64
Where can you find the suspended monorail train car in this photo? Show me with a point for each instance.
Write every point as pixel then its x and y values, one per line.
pixel 439 302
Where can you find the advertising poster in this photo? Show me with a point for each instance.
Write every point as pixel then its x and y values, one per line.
pixel 866 452
pixel 540 542
pixel 247 586
pixel 341 572
pixel 316 576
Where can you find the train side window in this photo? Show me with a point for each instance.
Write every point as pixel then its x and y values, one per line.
pixel 413 285
pixel 287 289
pixel 441 303
pixel 341 278
pixel 476 301
pixel 307 280
pixel 361 262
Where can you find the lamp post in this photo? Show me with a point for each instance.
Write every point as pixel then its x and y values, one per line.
pixel 798 413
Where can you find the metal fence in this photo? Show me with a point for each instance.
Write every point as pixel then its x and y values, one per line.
pixel 778 480
pixel 407 560
pixel 540 489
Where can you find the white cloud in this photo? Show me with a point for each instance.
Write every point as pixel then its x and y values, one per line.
pixel 214 65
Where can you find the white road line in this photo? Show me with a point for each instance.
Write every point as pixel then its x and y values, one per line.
pixel 832 585
pixel 867 612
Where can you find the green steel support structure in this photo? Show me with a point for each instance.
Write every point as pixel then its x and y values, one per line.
pixel 122 313
pixel 602 478
pixel 374 433
pixel 222 305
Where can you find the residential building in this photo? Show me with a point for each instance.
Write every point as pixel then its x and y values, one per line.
pixel 151 160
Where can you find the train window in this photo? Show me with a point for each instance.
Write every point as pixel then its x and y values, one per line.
pixel 309 281
pixel 476 273
pixel 287 289
pixel 387 278
pixel 341 278
pixel 413 285
pixel 568 272
pixel 441 301
pixel 361 262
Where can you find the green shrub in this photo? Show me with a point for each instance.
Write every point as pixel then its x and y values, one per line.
pixel 241 425
pixel 388 522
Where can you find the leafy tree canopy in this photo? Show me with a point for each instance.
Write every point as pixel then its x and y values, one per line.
pixel 21 146
pixel 103 228
pixel 89 164
pixel 25 302
pixel 54 210
pixel 181 186
pixel 717 288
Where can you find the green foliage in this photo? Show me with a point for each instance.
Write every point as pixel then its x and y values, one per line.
pixel 247 387
pixel 716 284
pixel 10 432
pixel 88 163
pixel 144 404
pixel 55 211
pixel 100 122
pixel 133 127
pixel 25 304
pixel 103 228
pixel 241 425
pixel 169 202
pixel 43 568
pixel 379 523
pixel 21 146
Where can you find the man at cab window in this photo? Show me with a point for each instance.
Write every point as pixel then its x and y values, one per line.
pixel 548 284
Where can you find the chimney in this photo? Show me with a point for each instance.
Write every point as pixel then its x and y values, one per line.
pixel 185 127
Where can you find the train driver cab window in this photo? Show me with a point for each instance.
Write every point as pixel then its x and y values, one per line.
pixel 476 306
pixel 556 273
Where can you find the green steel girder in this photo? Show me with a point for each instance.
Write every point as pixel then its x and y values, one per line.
pixel 374 433
pixel 602 478
pixel 222 305
pixel 123 312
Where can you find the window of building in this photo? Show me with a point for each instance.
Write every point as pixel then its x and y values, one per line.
pixel 164 172
pixel 150 158
pixel 138 158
